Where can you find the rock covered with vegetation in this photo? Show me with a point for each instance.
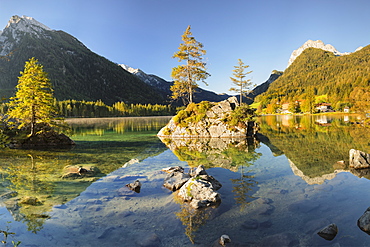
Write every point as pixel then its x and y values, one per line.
pixel 212 120
pixel 44 137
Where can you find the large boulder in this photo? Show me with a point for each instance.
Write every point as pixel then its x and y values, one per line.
pixel 210 124
pixel 200 190
pixel 199 193
pixel 358 159
pixel 196 187
pixel 175 180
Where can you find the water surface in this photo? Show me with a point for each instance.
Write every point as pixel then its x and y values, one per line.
pixel 278 190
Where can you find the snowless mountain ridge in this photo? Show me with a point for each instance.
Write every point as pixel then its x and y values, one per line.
pixel 316 44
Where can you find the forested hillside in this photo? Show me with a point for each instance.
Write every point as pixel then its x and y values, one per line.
pixel 75 71
pixel 339 80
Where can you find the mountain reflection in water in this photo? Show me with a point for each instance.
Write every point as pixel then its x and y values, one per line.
pixel 278 189
pixel 317 146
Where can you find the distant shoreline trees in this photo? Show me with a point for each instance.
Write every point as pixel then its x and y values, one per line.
pixel 75 108
pixel 187 75
pixel 96 109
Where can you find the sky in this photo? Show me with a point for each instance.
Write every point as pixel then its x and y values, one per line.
pixel 145 34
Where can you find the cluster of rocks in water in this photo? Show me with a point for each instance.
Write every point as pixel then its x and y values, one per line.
pixel 358 160
pixel 196 187
pixel 329 232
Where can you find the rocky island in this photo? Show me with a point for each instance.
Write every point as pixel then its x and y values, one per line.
pixel 224 119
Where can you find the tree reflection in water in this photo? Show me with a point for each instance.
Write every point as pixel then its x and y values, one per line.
pixel 192 218
pixel 27 179
pixel 242 186
pixel 228 153
pixel 315 144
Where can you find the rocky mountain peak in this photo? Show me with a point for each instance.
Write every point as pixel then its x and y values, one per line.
pixel 137 72
pixel 17 26
pixel 25 24
pixel 314 44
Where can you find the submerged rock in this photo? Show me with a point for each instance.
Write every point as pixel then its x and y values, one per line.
pixel 358 159
pixel 224 239
pixel 329 232
pixel 30 200
pixel 125 192
pixel 149 240
pixel 364 221
pixel 135 186
pixel 80 171
pixel 280 239
pixel 251 224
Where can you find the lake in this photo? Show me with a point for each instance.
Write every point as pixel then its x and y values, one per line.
pixel 278 189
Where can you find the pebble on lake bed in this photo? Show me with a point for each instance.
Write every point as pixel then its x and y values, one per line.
pixel 224 239
pixel 135 186
pixel 329 232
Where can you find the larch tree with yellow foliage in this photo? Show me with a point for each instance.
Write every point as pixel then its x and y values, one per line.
pixel 186 76
pixel 33 102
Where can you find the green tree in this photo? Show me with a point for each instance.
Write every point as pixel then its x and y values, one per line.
pixel 187 75
pixel 33 102
pixel 242 85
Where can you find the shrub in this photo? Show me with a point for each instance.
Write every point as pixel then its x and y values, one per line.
pixel 192 114
pixel 239 117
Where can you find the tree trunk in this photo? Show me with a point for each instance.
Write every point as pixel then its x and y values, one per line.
pixel 33 120
pixel 241 91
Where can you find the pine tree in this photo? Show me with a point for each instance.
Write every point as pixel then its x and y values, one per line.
pixel 33 102
pixel 187 75
pixel 243 85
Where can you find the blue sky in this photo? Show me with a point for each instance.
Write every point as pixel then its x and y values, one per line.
pixel 146 33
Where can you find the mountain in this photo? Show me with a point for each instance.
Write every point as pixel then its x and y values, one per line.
pixel 316 44
pixel 339 80
pixel 160 84
pixel 262 87
pixel 75 71
pixel 163 86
